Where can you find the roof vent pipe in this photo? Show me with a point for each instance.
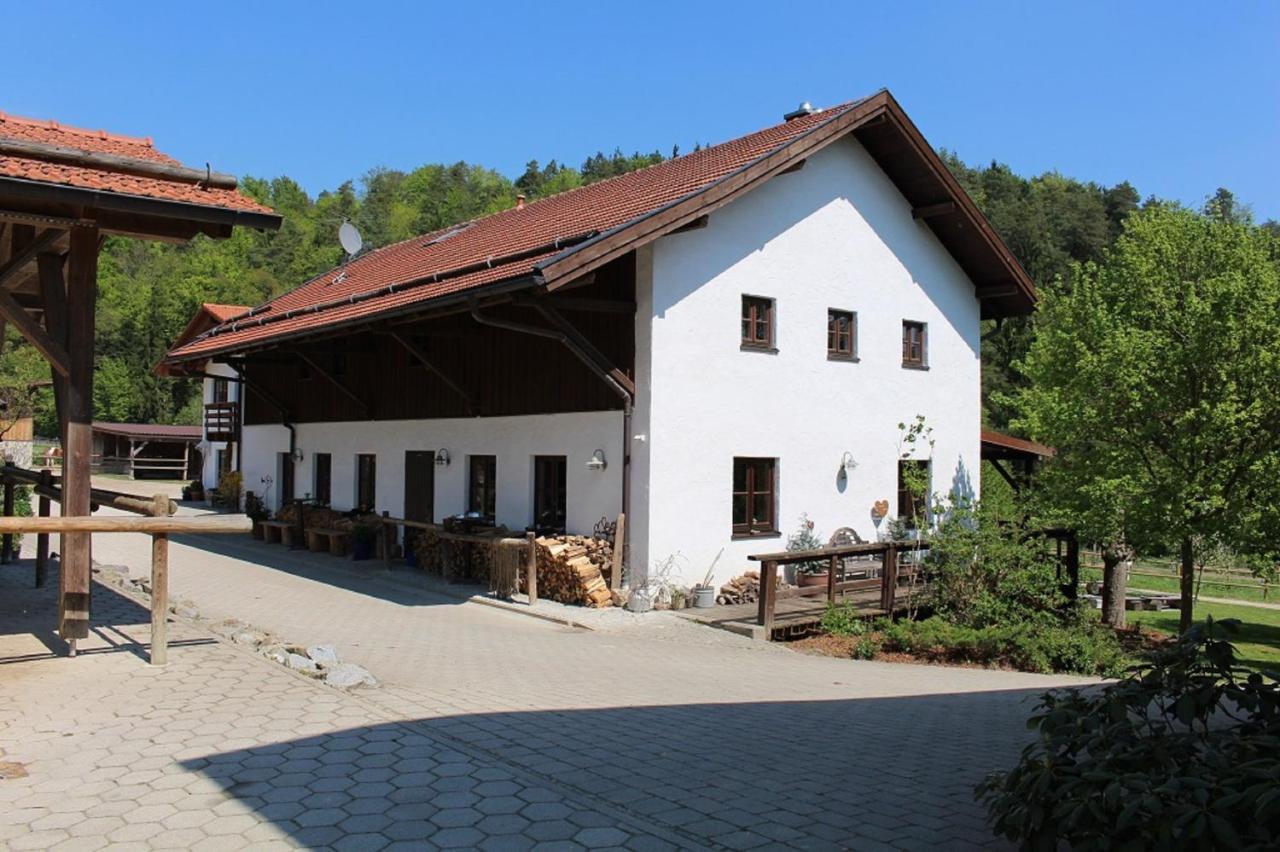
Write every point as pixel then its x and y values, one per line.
pixel 804 109
pixel 520 201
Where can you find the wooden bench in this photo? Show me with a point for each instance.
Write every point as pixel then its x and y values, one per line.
pixel 278 532
pixel 334 541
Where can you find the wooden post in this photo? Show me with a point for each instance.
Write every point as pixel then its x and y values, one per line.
pixel 768 596
pixel 82 284
pixel 889 579
pixel 6 547
pixel 42 539
pixel 1073 564
pixel 619 543
pixel 831 579
pixel 531 568
pixel 388 538
pixel 159 599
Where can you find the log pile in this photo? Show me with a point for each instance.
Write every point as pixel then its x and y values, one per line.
pixel 469 559
pixel 573 569
pixel 324 518
pixel 744 589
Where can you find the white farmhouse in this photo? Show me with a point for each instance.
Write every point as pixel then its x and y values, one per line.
pixel 713 345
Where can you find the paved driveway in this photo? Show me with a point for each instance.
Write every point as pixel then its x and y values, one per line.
pixel 490 729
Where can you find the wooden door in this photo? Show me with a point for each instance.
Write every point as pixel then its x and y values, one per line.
pixel 419 485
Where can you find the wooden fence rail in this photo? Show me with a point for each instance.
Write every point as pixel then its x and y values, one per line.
pixel 890 573
pixel 391 533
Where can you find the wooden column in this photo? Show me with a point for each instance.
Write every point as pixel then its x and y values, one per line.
pixel 82 285
pixel 832 568
pixel 1073 565
pixel 42 539
pixel 531 567
pixel 619 545
pixel 6 547
pixel 768 596
pixel 889 579
pixel 159 599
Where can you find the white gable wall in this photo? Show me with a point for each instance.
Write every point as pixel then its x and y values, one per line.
pixel 836 234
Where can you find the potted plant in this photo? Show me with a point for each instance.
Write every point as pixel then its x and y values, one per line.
pixel 678 598
pixel 804 538
pixel 257 512
pixel 193 490
pixel 364 538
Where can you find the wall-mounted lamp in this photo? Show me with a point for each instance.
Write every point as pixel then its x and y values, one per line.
pixel 442 457
pixel 297 454
pixel 597 462
pixel 847 462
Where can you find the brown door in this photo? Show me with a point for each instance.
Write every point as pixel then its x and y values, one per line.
pixel 419 485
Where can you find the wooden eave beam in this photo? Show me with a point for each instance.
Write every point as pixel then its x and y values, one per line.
pixel 335 381
pixel 574 303
pixel 702 221
pixel 929 211
pixel 417 353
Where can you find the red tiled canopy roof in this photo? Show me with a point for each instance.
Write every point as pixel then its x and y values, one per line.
pixel 56 170
pixel 519 244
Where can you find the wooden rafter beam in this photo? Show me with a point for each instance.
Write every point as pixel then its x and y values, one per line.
pixel 420 356
pixel 335 381
pixel 1008 477
pixel 588 348
pixel 928 211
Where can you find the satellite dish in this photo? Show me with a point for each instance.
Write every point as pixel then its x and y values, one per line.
pixel 350 239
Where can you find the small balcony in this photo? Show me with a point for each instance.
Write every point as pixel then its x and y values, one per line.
pixel 222 421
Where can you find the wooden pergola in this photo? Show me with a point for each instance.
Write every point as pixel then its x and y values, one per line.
pixel 63 190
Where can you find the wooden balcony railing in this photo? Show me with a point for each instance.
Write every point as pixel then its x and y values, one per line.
pixel 890 570
pixel 222 421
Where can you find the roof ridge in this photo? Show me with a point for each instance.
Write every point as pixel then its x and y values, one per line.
pixel 50 124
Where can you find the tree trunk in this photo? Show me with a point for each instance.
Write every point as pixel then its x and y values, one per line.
pixel 1116 558
pixel 1188 579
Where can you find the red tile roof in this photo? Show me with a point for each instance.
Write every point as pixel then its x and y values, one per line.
pixel 51 170
pixel 222 313
pixel 534 229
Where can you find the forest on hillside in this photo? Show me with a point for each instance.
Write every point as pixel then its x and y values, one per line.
pixel 148 291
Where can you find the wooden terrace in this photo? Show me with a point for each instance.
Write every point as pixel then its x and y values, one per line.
pixel 877 578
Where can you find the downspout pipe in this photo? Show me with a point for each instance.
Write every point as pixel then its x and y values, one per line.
pixel 593 366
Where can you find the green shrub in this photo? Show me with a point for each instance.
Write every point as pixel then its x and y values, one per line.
pixel 843 620
pixel 866 649
pixel 1083 648
pixel 1181 754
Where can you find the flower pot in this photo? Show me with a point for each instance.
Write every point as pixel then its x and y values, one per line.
pixel 258 532
pixel 812 579
pixel 704 597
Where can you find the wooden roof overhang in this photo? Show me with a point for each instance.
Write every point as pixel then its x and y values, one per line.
pixel 882 127
pixel 999 447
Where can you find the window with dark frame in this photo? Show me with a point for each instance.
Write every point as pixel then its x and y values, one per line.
pixel 754 496
pixel 323 474
pixel 913 344
pixel 482 486
pixel 366 481
pixel 912 507
pixel 757 322
pixel 842 331
pixel 221 390
pixel 549 477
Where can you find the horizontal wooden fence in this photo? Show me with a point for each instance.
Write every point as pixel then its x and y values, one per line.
pixel 156 520
pixel 890 571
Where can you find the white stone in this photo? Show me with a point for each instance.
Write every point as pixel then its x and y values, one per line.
pixel 250 637
pixel 323 655
pixel 299 663
pixel 349 676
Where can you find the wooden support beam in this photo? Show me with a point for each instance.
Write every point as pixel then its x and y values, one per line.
pixel 82 287
pixel 928 211
pixel 995 291
pixel 531 568
pixel 335 381
pixel 701 222
pixel 420 356
pixel 42 539
pixel 21 257
pixel 6 549
pixel 588 348
pixel 1006 475
pixel 159 600
pixel 53 351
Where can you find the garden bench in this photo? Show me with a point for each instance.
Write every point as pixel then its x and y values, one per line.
pixel 334 541
pixel 277 531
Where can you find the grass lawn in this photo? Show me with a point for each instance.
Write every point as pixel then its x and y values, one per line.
pixel 1258 641
pixel 1208 588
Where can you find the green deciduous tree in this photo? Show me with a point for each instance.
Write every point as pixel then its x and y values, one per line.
pixel 1157 377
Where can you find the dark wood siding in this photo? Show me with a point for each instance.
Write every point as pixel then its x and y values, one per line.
pixel 506 372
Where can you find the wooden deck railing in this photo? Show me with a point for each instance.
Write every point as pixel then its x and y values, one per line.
pixel 156 522
pixel 222 421
pixel 887 582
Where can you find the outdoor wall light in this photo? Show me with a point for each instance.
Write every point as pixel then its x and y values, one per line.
pixel 297 454
pixel 597 462
pixel 442 457
pixel 847 462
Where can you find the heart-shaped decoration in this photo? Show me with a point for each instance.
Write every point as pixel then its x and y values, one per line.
pixel 880 508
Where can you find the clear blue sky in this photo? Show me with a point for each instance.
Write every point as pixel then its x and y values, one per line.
pixel 1178 98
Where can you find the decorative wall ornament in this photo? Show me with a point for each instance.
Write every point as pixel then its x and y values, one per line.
pixel 879 509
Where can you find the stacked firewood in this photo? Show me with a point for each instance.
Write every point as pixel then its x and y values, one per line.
pixel 459 560
pixel 321 517
pixel 744 589
pixel 571 569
